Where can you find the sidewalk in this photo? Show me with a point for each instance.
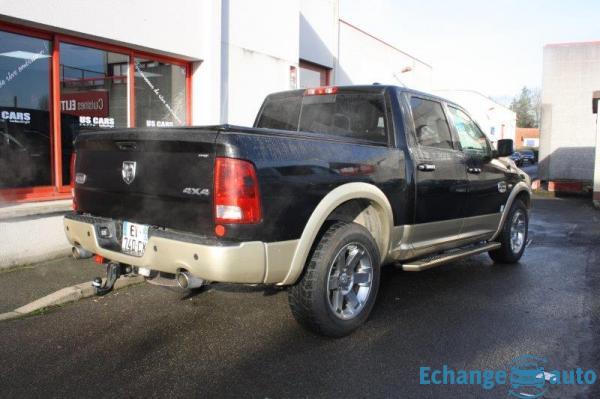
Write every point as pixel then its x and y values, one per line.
pixel 21 286
pixel 32 232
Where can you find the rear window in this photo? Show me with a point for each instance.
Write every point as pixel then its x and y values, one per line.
pixel 280 113
pixel 355 115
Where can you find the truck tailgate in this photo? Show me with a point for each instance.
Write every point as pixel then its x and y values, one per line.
pixel 159 177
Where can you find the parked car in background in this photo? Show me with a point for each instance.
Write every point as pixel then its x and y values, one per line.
pixel 517 157
pixel 330 184
pixel 528 156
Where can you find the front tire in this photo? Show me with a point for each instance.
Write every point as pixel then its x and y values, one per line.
pixel 337 291
pixel 513 237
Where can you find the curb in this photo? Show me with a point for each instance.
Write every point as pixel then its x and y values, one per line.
pixel 35 209
pixel 66 295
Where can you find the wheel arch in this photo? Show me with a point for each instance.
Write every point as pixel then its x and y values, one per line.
pixel 520 191
pixel 525 196
pixel 361 203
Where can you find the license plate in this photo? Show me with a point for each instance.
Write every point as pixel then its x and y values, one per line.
pixel 135 238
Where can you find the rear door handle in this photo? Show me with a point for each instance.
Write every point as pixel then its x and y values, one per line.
pixel 474 171
pixel 426 167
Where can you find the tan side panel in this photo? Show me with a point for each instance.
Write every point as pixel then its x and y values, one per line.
pixel 279 259
pixel 477 226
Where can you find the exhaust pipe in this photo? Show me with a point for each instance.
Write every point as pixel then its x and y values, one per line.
pixel 80 253
pixel 188 281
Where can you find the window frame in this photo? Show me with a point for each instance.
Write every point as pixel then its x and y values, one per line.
pixel 389 141
pixel 59 189
pixel 414 127
pixel 455 130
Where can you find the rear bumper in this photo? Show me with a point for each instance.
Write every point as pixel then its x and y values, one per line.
pixel 246 262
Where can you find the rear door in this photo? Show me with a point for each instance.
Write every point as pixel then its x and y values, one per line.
pixel 441 181
pixel 488 188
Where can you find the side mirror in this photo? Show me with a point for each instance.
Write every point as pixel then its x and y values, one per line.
pixel 505 147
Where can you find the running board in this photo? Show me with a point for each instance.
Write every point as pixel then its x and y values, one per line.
pixel 437 260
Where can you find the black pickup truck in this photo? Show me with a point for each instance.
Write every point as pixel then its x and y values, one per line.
pixel 330 184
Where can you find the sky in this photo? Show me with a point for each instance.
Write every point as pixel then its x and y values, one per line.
pixel 494 47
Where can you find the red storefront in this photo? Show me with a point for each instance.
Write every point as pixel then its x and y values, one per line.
pixel 53 86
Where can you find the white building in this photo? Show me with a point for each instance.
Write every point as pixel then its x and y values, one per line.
pixel 69 64
pixel 496 121
pixel 568 126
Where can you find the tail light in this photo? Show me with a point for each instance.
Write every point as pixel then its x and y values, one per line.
pixel 236 194
pixel 319 91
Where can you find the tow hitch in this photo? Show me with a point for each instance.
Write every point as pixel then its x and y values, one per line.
pixel 114 270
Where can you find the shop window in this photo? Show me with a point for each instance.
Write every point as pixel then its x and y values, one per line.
pixel 24 111
pixel 93 94
pixel 312 75
pixel 95 91
pixel 160 94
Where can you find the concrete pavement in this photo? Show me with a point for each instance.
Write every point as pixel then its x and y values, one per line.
pixel 26 284
pixel 238 341
pixel 45 285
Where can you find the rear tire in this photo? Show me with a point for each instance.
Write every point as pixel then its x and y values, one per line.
pixel 513 237
pixel 338 288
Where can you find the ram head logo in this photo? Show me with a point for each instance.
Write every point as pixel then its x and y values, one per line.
pixel 128 171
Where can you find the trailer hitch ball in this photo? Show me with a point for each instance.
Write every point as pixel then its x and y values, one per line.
pixel 113 272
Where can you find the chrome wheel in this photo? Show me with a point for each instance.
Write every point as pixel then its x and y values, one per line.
pixel 350 280
pixel 518 230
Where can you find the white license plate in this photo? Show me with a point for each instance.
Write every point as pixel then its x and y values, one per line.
pixel 135 238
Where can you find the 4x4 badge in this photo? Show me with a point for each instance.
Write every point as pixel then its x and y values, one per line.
pixel 128 171
pixel 502 186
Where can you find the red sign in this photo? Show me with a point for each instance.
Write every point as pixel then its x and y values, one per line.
pixel 85 103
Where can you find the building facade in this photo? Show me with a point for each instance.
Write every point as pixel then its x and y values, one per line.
pixel 70 65
pixel 568 134
pixel 527 137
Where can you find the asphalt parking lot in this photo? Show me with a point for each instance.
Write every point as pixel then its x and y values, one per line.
pixel 238 341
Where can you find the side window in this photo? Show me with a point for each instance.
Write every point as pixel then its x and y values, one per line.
pixel 431 125
pixel 472 139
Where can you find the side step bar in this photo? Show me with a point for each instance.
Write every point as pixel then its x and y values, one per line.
pixel 437 260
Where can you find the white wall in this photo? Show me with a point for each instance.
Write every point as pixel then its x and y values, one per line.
pixel 319 31
pixel 260 43
pixel 364 60
pixel 206 74
pixel 490 115
pixel 170 28
pixel 241 50
pixel 567 135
